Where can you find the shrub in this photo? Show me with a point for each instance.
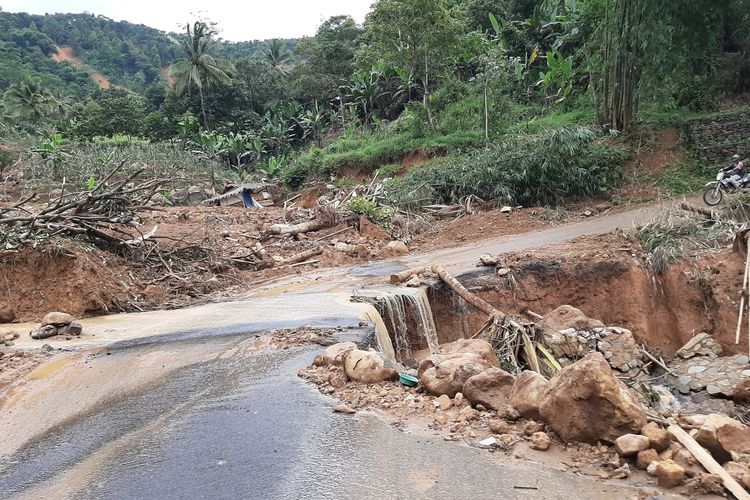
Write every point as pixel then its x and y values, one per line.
pixel 526 170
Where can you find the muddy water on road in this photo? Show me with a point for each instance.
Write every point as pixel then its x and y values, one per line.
pixel 242 425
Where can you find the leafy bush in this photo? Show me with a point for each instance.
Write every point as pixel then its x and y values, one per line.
pixel 526 170
pixel 7 158
pixel 380 215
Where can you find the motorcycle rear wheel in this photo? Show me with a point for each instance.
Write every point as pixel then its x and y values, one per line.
pixel 713 195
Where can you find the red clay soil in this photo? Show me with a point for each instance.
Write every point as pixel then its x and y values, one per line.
pixel 606 277
pixel 65 54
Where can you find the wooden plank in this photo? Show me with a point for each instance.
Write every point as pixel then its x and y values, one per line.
pixel 707 461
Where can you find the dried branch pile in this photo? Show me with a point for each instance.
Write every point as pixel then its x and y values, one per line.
pixel 103 216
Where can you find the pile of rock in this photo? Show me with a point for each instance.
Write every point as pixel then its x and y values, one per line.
pixel 584 402
pixel 654 450
pixel 347 362
pixel 57 323
pixel 574 335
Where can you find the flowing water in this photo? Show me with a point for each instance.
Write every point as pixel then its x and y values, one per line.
pixel 397 307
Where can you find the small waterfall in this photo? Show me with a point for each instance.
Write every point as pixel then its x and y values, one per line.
pixel 396 307
pixel 381 332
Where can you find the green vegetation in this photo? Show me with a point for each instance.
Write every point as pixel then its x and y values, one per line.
pixel 530 170
pixel 520 101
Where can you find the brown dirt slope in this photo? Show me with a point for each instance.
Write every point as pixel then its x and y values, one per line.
pixel 65 54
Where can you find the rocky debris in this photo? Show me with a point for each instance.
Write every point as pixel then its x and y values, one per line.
pixel 722 436
pixel 669 474
pixel 705 484
pixel 616 344
pixel 719 377
pixel 491 388
pixel 187 196
pixel 586 402
pixel 663 401
pixel 74 328
pixel 651 469
pixel 398 247
pixel 629 445
pixel 566 317
pixel 43 332
pixel 368 367
pixel 57 319
pixel 702 344
pixel 645 458
pixel 740 472
pixel 526 393
pixel 686 460
pixel 443 402
pixel 334 354
pixel 7 314
pixel 344 409
pixel 658 438
pixel 450 375
pixel 539 441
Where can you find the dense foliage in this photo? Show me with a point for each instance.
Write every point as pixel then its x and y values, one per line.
pixel 499 86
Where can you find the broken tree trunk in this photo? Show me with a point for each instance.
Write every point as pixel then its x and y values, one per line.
pixel 302 256
pixel 405 275
pixel 305 227
pixel 469 297
pixel 707 461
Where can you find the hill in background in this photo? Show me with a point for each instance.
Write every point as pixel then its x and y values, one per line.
pixel 75 54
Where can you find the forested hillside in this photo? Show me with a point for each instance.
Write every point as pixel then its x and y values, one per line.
pixel 130 55
pixel 512 100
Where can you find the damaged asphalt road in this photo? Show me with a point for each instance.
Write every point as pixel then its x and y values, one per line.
pixel 244 426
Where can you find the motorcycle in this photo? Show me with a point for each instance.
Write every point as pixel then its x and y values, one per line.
pixel 715 190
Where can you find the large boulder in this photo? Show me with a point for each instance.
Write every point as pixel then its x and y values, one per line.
pixel 450 375
pixel 723 436
pixel 334 354
pixel 586 402
pixel 369 367
pixel 526 393
pixel 490 388
pixel 57 319
pixel 565 317
pixel 461 347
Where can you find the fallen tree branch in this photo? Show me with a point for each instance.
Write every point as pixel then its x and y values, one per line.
pixel 305 227
pixel 302 256
pixel 469 297
pixel 707 461
pixel 402 276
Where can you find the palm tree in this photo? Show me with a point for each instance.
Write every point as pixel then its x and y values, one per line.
pixel 277 55
pixel 199 67
pixel 29 100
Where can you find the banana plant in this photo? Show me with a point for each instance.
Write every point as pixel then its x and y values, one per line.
pixel 314 123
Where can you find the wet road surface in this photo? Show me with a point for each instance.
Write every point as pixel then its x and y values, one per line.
pixel 244 426
pixel 175 412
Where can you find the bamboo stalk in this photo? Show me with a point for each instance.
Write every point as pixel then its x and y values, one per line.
pixel 302 256
pixel 469 297
pixel 744 291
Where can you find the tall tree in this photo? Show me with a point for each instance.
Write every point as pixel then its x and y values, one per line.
pixel 199 67
pixel 29 100
pixel 416 35
pixel 277 55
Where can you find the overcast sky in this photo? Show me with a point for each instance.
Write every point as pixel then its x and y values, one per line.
pixel 238 20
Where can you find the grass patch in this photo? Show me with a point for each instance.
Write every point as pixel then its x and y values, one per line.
pixel 369 151
pixel 554 120
pixel 685 177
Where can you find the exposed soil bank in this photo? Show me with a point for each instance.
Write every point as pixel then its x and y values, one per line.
pixel 605 277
